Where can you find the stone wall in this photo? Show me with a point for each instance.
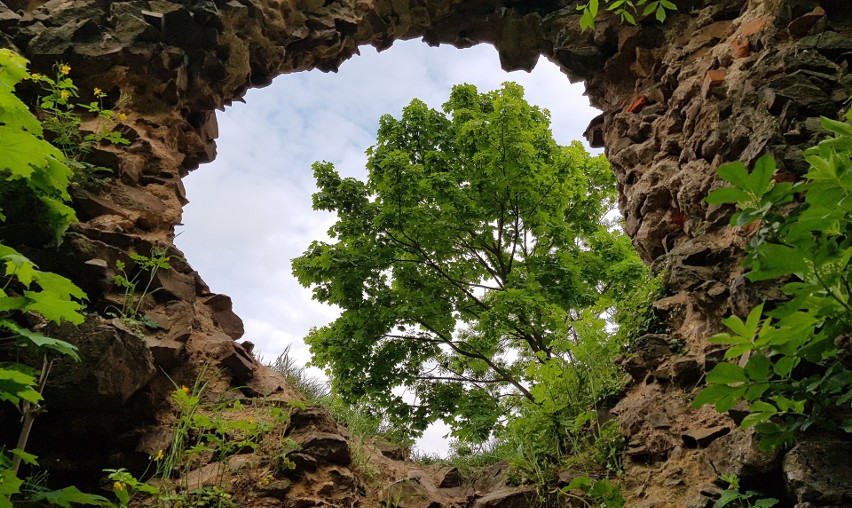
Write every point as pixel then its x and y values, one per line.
pixel 721 80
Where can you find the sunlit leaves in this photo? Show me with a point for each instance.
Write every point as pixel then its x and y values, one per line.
pixel 27 157
pixel 468 256
pixel 626 10
pixel 17 386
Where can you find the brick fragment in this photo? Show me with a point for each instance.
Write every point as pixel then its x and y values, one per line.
pixel 637 104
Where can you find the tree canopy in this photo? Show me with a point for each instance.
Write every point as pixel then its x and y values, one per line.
pixel 474 258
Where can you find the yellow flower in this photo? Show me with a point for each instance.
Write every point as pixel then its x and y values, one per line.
pixel 97 91
pixel 35 75
pixel 184 389
pixel 159 456
pixel 122 116
pixel 118 486
pixel 64 69
pixel 64 94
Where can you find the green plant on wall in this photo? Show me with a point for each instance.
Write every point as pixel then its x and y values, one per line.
pixel 793 364
pixel 136 285
pixel 733 496
pixel 34 171
pixel 60 108
pixel 626 10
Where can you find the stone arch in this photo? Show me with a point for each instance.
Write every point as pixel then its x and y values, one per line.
pixel 719 81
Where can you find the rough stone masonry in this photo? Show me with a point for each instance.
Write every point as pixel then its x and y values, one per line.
pixel 720 80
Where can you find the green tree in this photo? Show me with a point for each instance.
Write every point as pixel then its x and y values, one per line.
pixel 465 263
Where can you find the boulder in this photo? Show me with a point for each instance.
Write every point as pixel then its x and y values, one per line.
pixel 812 475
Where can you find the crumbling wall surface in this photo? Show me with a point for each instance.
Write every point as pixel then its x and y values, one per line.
pixel 721 80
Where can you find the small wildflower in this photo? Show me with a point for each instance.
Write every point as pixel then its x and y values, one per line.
pixel 64 69
pixel 118 486
pixel 159 456
pixel 35 75
pixel 122 116
pixel 184 389
pixel 64 94
pixel 97 91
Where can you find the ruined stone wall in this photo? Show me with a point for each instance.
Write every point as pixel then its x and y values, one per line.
pixel 721 80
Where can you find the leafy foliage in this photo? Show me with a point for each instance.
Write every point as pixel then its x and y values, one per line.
pixel 626 10
pixel 795 375
pixel 33 171
pixel 733 496
pixel 471 266
pixel 146 268
pixel 602 492
pixel 61 108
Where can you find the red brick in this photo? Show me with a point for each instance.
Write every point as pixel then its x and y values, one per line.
pixel 637 104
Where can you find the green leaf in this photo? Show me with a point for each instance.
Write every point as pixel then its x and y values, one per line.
pixel 20 267
pixel 727 497
pixel 9 484
pixel 761 176
pixel 774 260
pixel 39 340
pixel 8 303
pixel 727 373
pixel 727 195
pixel 840 128
pixel 59 285
pixel 785 365
pixel 26 458
pixel 720 395
pixel 587 21
pixel 754 391
pixel 757 368
pixel 16 386
pixel 54 308
pixel 13 68
pixel 23 152
pixel 739 350
pixel 583 483
pixel 767 502
pixel 753 321
pixel 736 174
pixel 753 419
pixel 736 325
pixel 70 496
pixel 593 8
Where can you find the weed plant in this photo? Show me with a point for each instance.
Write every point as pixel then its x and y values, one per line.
pixel 146 269
pixel 62 114
pixel 207 433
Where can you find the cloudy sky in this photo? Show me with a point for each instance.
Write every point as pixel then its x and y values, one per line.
pixel 250 210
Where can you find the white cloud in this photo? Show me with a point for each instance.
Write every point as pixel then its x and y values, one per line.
pixel 250 211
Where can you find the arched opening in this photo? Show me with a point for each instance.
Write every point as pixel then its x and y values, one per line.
pixel 249 211
pixel 719 81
